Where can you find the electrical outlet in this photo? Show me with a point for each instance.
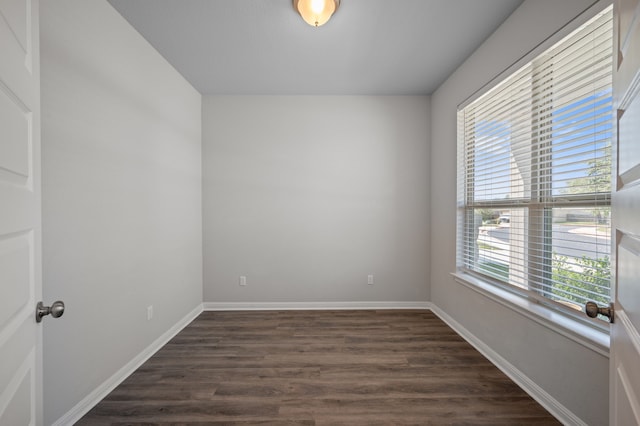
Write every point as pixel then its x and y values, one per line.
pixel 149 312
pixel 370 279
pixel 243 280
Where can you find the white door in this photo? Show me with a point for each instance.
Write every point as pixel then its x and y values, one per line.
pixel 625 336
pixel 20 264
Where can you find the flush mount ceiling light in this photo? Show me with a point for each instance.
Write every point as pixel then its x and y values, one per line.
pixel 316 12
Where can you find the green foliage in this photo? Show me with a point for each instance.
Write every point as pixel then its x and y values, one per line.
pixel 598 178
pixel 581 279
pixel 494 269
pixel 573 280
pixel 488 215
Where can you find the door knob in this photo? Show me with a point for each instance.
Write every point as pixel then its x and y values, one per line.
pixel 592 310
pixel 56 310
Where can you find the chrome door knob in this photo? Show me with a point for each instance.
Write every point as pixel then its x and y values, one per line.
pixel 55 310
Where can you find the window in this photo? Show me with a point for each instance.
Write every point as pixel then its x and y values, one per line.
pixel 534 174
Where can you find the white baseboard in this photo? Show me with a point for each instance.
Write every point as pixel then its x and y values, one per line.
pixel 551 404
pixel 271 306
pixel 90 401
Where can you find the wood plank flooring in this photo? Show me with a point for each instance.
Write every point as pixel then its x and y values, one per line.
pixel 318 368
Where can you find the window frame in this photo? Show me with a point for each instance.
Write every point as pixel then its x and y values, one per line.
pixel 526 301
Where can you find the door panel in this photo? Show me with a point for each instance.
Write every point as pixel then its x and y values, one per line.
pixel 629 125
pixel 19 411
pixel 625 339
pixel 625 397
pixel 20 258
pixel 17 373
pixel 625 349
pixel 626 13
pixel 628 273
pixel 19 45
pixel 14 150
pixel 15 15
pixel 16 291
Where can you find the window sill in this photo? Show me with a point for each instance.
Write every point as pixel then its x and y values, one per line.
pixel 589 336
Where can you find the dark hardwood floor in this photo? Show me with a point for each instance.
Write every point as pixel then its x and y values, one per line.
pixel 318 368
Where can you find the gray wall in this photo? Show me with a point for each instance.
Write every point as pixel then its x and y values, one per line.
pixel 121 140
pixel 306 196
pixel 569 372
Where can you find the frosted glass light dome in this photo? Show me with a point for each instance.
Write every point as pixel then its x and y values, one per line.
pixel 316 12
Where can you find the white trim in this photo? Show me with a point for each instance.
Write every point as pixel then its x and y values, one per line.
pixel 83 407
pixel 559 411
pixel 590 337
pixel 271 306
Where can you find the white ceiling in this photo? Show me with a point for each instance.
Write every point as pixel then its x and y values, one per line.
pixel 263 47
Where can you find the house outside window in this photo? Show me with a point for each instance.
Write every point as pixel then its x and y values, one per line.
pixel 534 175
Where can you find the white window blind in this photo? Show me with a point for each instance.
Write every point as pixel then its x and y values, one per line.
pixel 534 174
